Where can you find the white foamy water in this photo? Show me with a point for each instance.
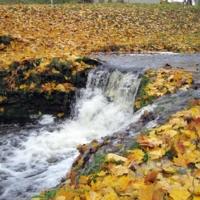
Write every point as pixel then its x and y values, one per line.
pixel 35 159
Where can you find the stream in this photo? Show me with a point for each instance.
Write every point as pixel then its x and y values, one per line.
pixel 36 154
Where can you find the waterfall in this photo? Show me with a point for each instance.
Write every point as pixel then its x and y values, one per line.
pixel 37 157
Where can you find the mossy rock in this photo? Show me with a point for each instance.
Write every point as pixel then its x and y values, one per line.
pixel 31 104
pixel 51 91
pixel 5 40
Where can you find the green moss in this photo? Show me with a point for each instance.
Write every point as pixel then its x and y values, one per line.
pixel 134 145
pixel 95 166
pixel 48 194
pixel 145 158
pixel 146 79
pixel 169 154
pixel 24 87
pixel 5 40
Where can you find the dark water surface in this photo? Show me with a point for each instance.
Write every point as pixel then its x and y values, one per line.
pixel 151 60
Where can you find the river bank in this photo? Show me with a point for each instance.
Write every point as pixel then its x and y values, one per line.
pixel 93 164
pixel 85 117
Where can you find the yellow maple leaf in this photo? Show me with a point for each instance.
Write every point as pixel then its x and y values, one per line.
pixel 91 195
pixel 146 192
pixel 179 193
pixel 197 165
pixel 61 198
pixel 67 78
pixel 163 127
pixel 61 88
pixel 68 87
pixel 137 104
pixel 195 189
pixel 170 132
pixel 83 180
pixel 123 183
pixel 32 85
pixel 119 170
pixel 2 98
pixel 107 190
pixel 177 122
pixel 112 156
pixel 155 141
pixel 169 170
pixel 156 153
pixel 102 173
pixel 49 87
pixel 60 114
pixel 55 71
pixel 135 155
pixel 196 197
pixel 27 74
pixel 65 192
pixel 23 87
pixel 193 157
pixel 97 185
pixel 181 160
pixel 189 133
pixel 112 196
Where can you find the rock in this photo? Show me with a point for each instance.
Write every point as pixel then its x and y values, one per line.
pixel 34 88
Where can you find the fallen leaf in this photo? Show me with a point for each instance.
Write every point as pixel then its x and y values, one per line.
pixel 179 194
pixel 146 192
pixel 115 157
pixel 119 170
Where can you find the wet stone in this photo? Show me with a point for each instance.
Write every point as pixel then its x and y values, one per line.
pixel 52 160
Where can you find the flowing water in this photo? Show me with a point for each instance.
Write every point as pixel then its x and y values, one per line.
pixel 35 156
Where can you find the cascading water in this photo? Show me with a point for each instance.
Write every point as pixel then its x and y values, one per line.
pixel 36 158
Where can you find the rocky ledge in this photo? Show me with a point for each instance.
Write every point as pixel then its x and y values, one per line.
pixel 34 87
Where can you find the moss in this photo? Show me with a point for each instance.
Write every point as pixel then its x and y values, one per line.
pixel 31 91
pixel 95 166
pixel 134 145
pixel 5 40
pixel 146 79
pixel 88 61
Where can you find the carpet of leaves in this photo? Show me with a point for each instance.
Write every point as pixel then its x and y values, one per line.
pixel 44 31
pixel 165 164
pixel 156 83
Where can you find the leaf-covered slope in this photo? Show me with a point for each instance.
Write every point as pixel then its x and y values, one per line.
pixel 164 163
pixel 156 83
pixel 34 86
